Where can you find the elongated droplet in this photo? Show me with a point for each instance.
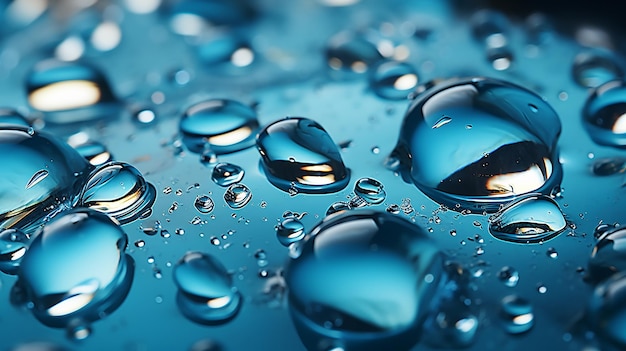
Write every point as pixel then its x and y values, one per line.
pixel 609 166
pixel 206 294
pixel 530 219
pixel 499 144
pixel 298 154
pixel 36 178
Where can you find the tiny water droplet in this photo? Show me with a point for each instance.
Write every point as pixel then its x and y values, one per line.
pixel 552 253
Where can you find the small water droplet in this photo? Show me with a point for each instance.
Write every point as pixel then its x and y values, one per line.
pixel 604 114
pixel 237 196
pixel 393 209
pixel 338 206
pixel 96 153
pixel 179 231
pixel 552 253
pixel 371 190
pixel 542 289
pixel 393 80
pixel 226 174
pixel 596 67
pixel 351 52
pixel 204 204
pixel 516 314
pixel 508 276
pixel 78 331
pixel 290 230
pixel 13 246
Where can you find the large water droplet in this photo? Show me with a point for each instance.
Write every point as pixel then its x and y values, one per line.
pixel 289 231
pixel 226 174
pixel 594 68
pixel 608 255
pixel 40 176
pixel 516 314
pixel 604 114
pixel 498 142
pixel 205 291
pixel 76 268
pixel 531 219
pixel 352 52
pixel 237 196
pixel 393 80
pixel 364 279
pixel 13 246
pixel 70 92
pixel 119 190
pixel 224 126
pixel 298 153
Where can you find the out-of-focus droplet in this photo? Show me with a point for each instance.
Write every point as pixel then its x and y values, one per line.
pixel 224 126
pixel 230 49
pixel 206 294
pixel 604 114
pixel 608 255
pixel 96 153
pixel 289 231
pixel 490 27
pixel 530 219
pixel 76 268
pixel 204 204
pixel 195 17
pixel 508 276
pixel 609 166
pixel 78 331
pixel 596 67
pixel 516 314
pixel 352 52
pixel 142 7
pixel 338 206
pixel 393 80
pixel 606 313
pixel 206 345
pixel 501 59
pixel 237 196
pixel 509 150
pixel 144 115
pixel 298 153
pixel 119 190
pixel 371 190
pixel 70 92
pixel 354 285
pixel 226 174
pixel 552 253
pixel 38 346
pixel 13 246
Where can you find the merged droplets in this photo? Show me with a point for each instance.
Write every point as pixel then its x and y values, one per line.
pixel 476 144
pixel 13 246
pixel 516 314
pixel 297 154
pixel 221 125
pixel 604 114
pixel 371 190
pixel 226 174
pixel 119 190
pixel 237 196
pixel 76 268
pixel 70 92
pixel 41 176
pixel 393 80
pixel 364 280
pixel 530 219
pixel 206 294
pixel 594 68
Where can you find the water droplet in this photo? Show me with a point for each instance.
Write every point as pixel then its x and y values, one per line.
pixel 393 80
pixel 204 204
pixel 606 311
pixel 38 346
pixel 206 294
pixel 508 276
pixel 96 153
pixel 509 150
pixel 13 246
pixel 317 166
pixel 78 331
pixel 351 52
pixel 237 196
pixel 393 209
pixel 229 48
pixel 338 206
pixel 604 114
pixel 140 243
pixel 119 190
pixel 516 314
pixel 76 268
pixel 206 345
pixel 371 190
pixel 542 289
pixel 224 126
pixel 70 92
pixel 41 176
pixel 289 231
pixel 179 231
pixel 353 284
pixel 501 58
pixel 226 174
pixel 167 190
pixel 552 253
pixel 144 115
pixel 608 255
pixel 490 27
pixel 530 219
pixel 192 18
pixel 594 68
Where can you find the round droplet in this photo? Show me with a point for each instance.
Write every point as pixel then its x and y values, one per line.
pixel 355 284
pixel 144 115
pixel 13 246
pixel 608 255
pixel 298 153
pixel 371 190
pixel 70 92
pixel 96 153
pixel 594 68
pixel 490 27
pixel 78 331
pixel 552 253
pixel 40 176
pixel 205 291
pixel 222 53
pixel 76 268
pixel 289 231
pixel 119 190
pixel 508 276
pixel 352 52
pixel 224 126
pixel 393 80
pixel 509 150
pixel 604 114
pixel 516 314
pixel 237 196
pixel 530 219
pixel 204 204
pixel 226 174
pixel 607 312
pixel 501 58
